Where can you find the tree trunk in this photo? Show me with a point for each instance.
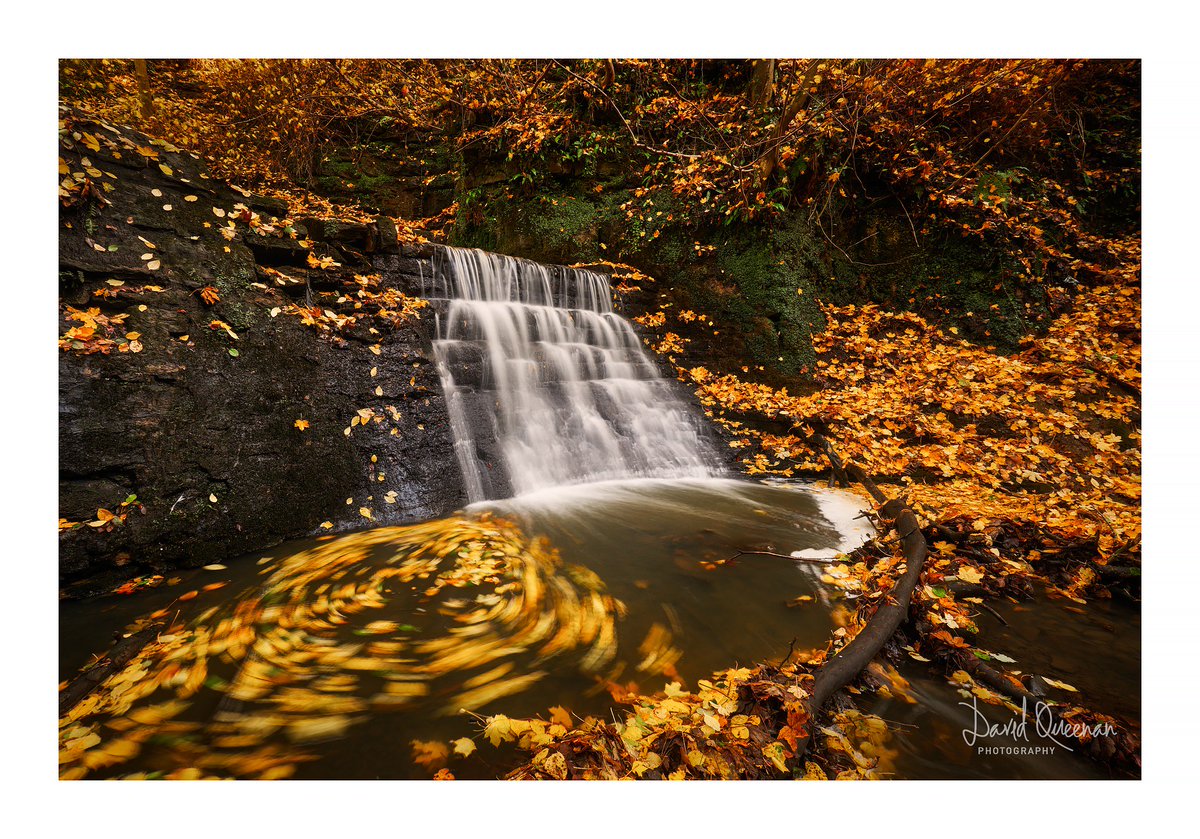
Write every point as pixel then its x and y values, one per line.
pixel 762 83
pixel 143 82
pixel 769 160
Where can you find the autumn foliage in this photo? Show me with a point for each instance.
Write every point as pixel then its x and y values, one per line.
pixel 1024 468
pixel 1028 155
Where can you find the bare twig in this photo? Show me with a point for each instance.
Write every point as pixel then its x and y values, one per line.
pixel 633 136
pixel 781 556
pixel 1000 142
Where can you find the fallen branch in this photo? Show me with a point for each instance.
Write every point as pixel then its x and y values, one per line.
pixel 121 654
pixel 1118 571
pixel 781 556
pixel 991 611
pixel 852 659
pixel 822 445
pixel 1112 745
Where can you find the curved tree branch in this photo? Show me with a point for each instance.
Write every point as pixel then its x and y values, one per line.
pixel 855 656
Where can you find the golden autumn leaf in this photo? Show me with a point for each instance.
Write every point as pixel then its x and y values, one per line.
pixel 970 574
pixel 560 716
pixel 431 754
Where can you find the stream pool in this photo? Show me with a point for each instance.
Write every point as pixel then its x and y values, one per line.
pixel 652 573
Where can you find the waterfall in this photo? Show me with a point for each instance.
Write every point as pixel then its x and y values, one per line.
pixel 545 385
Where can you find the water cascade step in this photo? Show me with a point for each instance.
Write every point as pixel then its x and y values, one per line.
pixel 546 385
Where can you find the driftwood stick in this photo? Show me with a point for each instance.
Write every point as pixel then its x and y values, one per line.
pixel 992 611
pixel 821 444
pixel 782 556
pixel 1112 744
pixel 855 656
pixel 121 654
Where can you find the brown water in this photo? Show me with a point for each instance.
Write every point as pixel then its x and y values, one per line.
pixel 667 550
pixel 1096 649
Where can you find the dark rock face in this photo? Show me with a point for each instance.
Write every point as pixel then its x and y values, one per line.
pixel 197 414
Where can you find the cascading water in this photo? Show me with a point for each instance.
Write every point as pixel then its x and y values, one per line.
pixel 545 385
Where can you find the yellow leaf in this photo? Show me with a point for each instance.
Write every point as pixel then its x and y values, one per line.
pixel 552 763
pixel 381 627
pixel 970 574
pixel 301 424
pixel 561 716
pixel 774 753
pixel 464 746
pixel 166 170
pixel 813 772
pixel 430 753
pixel 498 729
pixel 317 728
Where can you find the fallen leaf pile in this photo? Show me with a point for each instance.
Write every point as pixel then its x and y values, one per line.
pixel 1048 438
pixel 741 723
